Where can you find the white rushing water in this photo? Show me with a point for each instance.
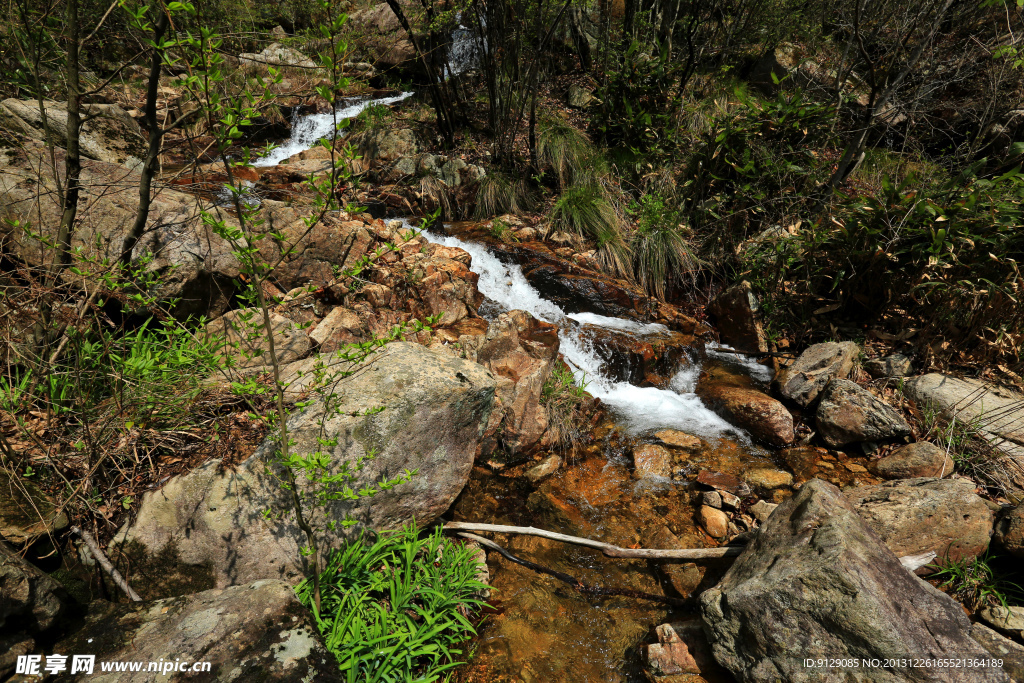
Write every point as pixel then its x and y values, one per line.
pixel 310 129
pixel 640 409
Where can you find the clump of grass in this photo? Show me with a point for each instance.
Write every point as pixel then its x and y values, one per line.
pixel 563 401
pixel 661 252
pixel 397 609
pixel 975 583
pixel 586 211
pixel 567 150
pixel 497 195
pixel 502 231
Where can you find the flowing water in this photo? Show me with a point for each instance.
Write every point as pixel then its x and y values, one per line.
pixel 310 129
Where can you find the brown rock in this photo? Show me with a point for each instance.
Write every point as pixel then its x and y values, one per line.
pixel 1009 531
pixel 738 320
pixel 849 413
pixel 651 460
pixel 714 521
pixel 26 511
pixel 670 656
pixel 766 479
pixel 341 326
pixel 766 419
pixel 30 601
pixel 245 341
pixel 673 438
pixel 546 468
pixel 915 516
pixel 807 377
pixel 921 459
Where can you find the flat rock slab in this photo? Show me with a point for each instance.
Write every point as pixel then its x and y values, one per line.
pixel 403 408
pixel 997 411
pixel 816 582
pixel 916 516
pixel 256 632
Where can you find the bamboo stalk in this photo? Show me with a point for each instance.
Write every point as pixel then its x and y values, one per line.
pixel 607 548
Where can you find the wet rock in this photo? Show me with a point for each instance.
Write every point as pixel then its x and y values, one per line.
pixel 766 419
pixel 258 631
pixel 435 408
pixel 651 460
pixel 650 358
pixel 244 338
pixel 588 293
pixel 26 511
pixel 720 481
pixel 196 266
pixel 30 601
pixel 1009 531
pixel 762 510
pixel 817 582
pixel 669 656
pixel 673 438
pixel 108 134
pixel 809 374
pixel 916 516
pixel 546 468
pixel 921 459
pixel 1009 619
pixel 713 499
pixel 1001 647
pixel 714 521
pixel 738 320
pixel 764 479
pixel 896 365
pixel 849 413
pixel 812 462
pixel 993 409
pixel 276 54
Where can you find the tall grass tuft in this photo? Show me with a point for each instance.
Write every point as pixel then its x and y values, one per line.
pixel 498 195
pixel 567 150
pixel 586 211
pixel 661 252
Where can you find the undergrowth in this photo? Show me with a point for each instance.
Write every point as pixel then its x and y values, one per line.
pixel 976 582
pixel 564 402
pixel 398 608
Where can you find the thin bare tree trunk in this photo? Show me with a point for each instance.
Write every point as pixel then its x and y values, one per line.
pixel 72 159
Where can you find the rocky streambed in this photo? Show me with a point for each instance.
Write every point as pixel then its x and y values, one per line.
pixel 813 463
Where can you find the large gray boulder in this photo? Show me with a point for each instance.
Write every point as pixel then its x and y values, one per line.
pixel 108 134
pixel 195 265
pixel 914 516
pixel 817 583
pixel 849 413
pixel 993 411
pixel 811 372
pixel 212 522
pixel 256 632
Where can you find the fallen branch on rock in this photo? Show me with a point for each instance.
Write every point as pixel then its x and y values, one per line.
pixel 572 581
pixel 607 548
pixel 94 549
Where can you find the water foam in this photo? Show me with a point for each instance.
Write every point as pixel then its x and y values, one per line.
pixel 312 128
pixel 640 409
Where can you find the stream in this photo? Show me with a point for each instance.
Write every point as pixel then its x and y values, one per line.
pixel 540 629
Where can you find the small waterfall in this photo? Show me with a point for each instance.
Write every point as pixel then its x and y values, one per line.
pixel 640 409
pixel 464 51
pixel 310 129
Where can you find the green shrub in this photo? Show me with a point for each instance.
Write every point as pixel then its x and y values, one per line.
pixel 395 610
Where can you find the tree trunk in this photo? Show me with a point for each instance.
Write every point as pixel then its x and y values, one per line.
pixel 72 159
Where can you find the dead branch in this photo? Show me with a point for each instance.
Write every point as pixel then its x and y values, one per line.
pixel 572 581
pixel 606 548
pixel 100 557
